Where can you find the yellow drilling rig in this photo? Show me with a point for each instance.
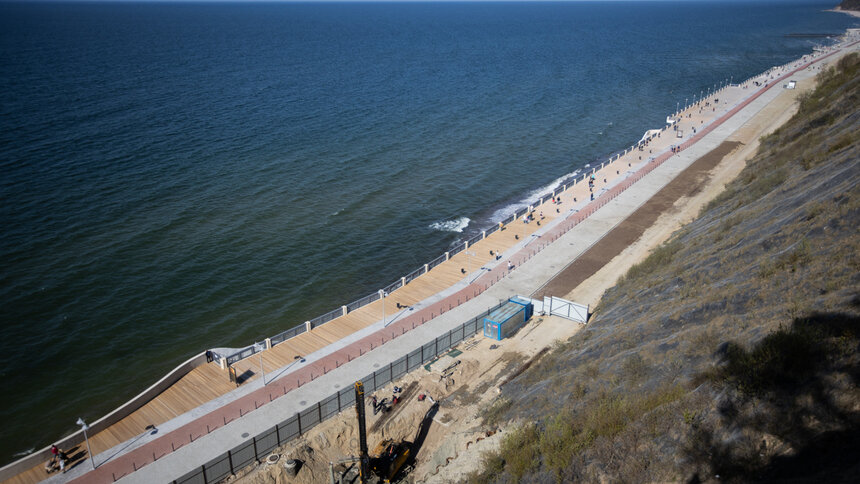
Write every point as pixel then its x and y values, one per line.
pixel 389 460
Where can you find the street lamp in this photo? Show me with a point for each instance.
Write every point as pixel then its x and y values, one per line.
pixel 84 427
pixel 259 348
pixel 382 296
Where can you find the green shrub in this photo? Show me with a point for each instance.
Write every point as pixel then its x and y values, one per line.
pixel 520 450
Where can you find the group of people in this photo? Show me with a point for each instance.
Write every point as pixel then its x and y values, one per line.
pixel 58 460
pixel 385 405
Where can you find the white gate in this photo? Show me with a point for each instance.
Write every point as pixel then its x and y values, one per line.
pixel 557 306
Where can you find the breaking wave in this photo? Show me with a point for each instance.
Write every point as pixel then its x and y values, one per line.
pixel 456 225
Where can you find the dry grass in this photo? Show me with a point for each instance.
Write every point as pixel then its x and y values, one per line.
pixel 640 395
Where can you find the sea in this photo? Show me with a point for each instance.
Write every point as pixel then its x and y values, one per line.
pixel 182 176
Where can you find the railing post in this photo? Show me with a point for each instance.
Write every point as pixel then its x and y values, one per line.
pixel 268 343
pixel 307 326
pixel 203 471
pixel 345 310
pixel 447 255
pixel 230 461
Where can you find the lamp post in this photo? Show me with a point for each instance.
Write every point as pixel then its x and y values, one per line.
pixel 84 427
pixel 382 296
pixel 259 348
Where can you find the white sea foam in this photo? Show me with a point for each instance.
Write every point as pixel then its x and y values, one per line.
pixel 456 225
pixel 533 195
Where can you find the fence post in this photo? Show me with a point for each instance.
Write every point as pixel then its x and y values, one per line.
pixel 299 422
pixel 230 461
pixel 203 471
pixel 319 411
pixel 254 440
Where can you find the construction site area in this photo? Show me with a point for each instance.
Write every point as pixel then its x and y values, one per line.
pixel 427 427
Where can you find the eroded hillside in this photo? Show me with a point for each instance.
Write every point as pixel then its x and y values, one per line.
pixel 731 353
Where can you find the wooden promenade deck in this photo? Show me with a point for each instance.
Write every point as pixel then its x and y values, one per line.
pixel 210 381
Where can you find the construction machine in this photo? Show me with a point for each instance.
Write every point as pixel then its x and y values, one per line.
pixel 389 459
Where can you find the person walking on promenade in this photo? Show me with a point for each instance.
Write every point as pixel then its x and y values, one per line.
pixel 62 459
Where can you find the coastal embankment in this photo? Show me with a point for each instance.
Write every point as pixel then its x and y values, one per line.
pixel 525 257
pixel 516 244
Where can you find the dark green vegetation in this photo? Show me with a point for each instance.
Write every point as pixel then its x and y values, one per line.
pixel 731 353
pixel 850 5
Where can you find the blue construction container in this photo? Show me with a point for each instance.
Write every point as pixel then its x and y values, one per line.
pixel 526 303
pixel 506 320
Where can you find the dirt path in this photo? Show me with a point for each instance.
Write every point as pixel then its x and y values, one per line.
pixel 686 184
pixel 686 208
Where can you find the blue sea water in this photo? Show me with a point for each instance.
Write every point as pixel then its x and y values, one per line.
pixel 181 176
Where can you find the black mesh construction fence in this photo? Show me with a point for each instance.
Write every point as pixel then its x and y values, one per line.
pixel 258 447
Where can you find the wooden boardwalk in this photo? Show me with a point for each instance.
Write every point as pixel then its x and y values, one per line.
pixel 209 381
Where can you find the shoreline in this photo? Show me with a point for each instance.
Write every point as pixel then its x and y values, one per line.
pixel 853 13
pixel 515 220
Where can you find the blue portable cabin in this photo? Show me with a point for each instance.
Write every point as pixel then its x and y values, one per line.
pixel 526 303
pixel 506 320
